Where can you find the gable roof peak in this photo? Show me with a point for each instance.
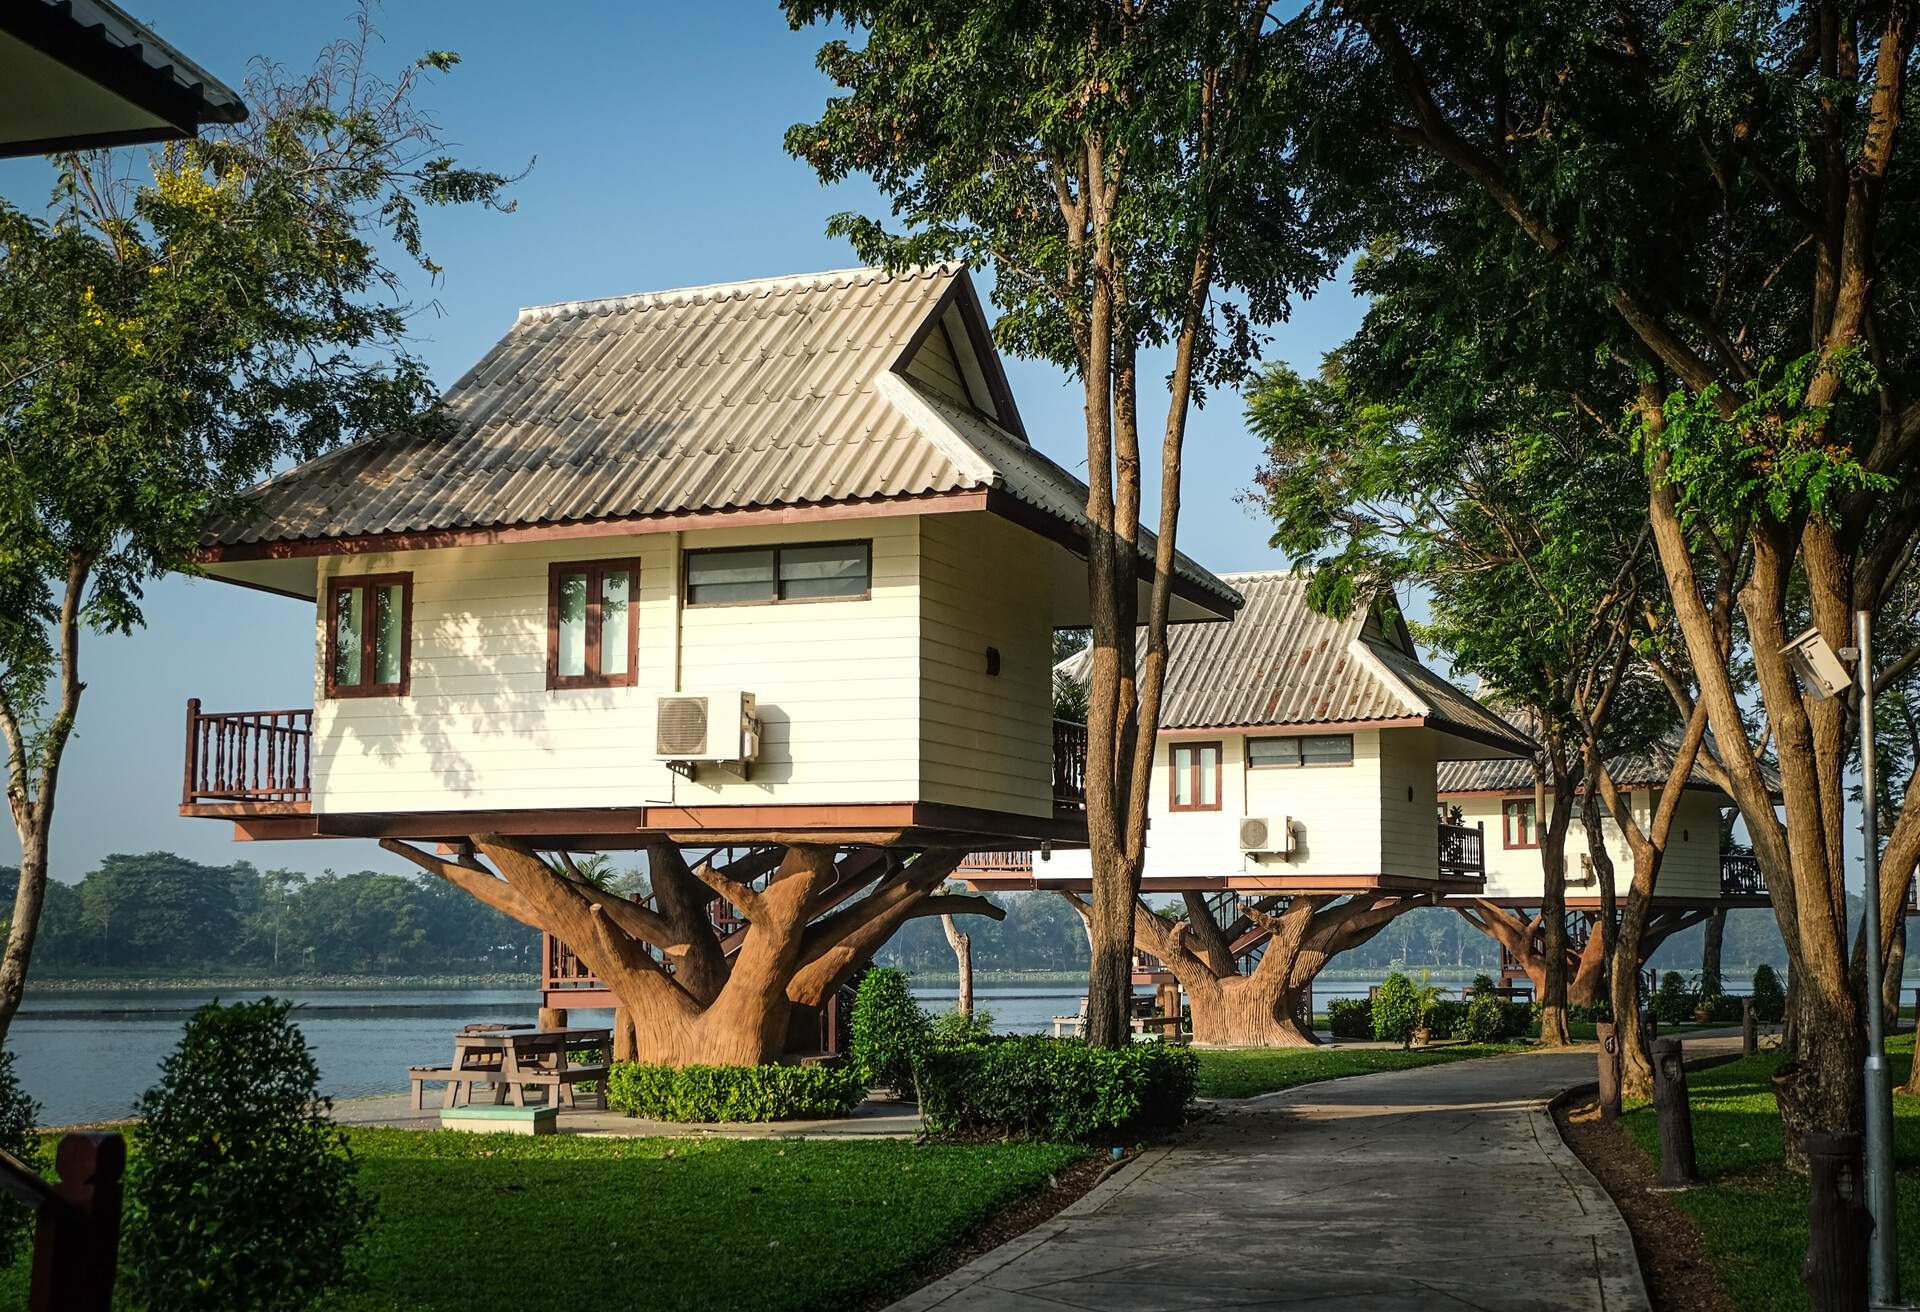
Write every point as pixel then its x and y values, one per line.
pixel 740 289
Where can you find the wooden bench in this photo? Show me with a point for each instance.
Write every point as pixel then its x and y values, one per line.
pixel 457 1081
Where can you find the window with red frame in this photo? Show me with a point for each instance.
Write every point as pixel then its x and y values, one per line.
pixel 1521 825
pixel 1195 782
pixel 592 641
pixel 369 635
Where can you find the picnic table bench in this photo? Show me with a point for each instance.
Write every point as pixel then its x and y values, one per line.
pixel 512 1059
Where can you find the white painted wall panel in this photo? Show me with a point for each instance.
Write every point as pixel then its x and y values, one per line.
pixel 1691 868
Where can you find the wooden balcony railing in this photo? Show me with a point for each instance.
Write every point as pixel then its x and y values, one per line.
pixel 1463 852
pixel 247 756
pixel 1740 875
pixel 1069 764
pixel 76 1246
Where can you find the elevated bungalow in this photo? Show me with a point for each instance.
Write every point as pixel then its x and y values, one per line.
pixel 1293 806
pixel 1698 874
pixel 761 578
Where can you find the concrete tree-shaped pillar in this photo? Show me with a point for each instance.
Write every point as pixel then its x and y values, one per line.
pixel 693 993
pixel 1263 1007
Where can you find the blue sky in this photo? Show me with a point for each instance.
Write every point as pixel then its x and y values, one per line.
pixel 656 131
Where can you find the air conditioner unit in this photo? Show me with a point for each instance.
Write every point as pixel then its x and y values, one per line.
pixel 1266 834
pixel 712 726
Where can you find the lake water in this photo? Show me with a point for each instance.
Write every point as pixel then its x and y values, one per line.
pixel 88 1056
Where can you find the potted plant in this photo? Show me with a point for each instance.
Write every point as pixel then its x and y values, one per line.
pixel 1425 995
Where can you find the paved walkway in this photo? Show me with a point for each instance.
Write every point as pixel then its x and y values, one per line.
pixel 1441 1188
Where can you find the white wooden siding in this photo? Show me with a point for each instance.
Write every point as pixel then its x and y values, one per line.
pixel 1348 820
pixel 876 699
pixel 1691 868
pixel 985 740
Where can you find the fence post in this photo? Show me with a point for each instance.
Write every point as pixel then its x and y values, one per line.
pixel 1749 1036
pixel 1838 1226
pixel 76 1248
pixel 1609 1059
pixel 1677 1165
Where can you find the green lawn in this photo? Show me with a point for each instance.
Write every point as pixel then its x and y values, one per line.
pixel 1753 1211
pixel 1241 1073
pixel 466 1219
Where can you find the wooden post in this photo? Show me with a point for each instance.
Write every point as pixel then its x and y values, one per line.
pixel 76 1245
pixel 1678 1169
pixel 553 1018
pixel 1609 1062
pixel 1838 1226
pixel 624 1040
pixel 1749 1035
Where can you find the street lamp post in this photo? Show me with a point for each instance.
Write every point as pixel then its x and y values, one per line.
pixel 1824 675
pixel 1883 1262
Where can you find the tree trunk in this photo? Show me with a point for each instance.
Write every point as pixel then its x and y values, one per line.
pixel 1710 949
pixel 1110 948
pixel 1553 903
pixel 962 945
pixel 1589 984
pixel 687 994
pixel 1261 1009
pixel 25 925
pixel 1896 968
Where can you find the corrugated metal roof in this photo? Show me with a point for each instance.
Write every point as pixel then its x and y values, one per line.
pixel 1280 662
pixel 773 392
pixel 1642 769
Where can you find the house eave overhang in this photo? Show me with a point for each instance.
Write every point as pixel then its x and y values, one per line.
pixel 94 54
pixel 993 500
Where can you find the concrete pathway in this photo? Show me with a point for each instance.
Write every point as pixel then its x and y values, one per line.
pixel 1441 1188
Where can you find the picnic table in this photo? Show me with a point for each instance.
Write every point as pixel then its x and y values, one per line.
pixel 512 1058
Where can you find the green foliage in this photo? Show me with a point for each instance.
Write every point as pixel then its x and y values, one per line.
pixel 1484 1021
pixel 1444 1018
pixel 1482 983
pixel 243 1194
pixel 1590 1012
pixel 1028 1086
pixel 1350 1018
pixel 1769 997
pixel 871 1216
pixel 1674 1001
pixel 734 1093
pixel 19 1117
pixel 1396 1009
pixel 952 1028
pixel 1426 997
pixel 887 1031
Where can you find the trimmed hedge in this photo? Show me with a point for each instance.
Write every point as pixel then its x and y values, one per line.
pixel 1027 1086
pixel 1350 1018
pixel 734 1093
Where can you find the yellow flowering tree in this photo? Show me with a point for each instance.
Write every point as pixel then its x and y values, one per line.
pixel 168 334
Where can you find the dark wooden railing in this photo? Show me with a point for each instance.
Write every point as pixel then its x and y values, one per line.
pixel 247 756
pixel 1069 764
pixel 1463 852
pixel 996 863
pixel 1740 875
pixel 76 1233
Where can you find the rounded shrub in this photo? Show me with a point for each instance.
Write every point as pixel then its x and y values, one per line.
pixel 1673 1002
pixel 1396 1009
pixel 1769 998
pixel 242 1196
pixel 1485 1020
pixel 734 1093
pixel 19 1114
pixel 887 1032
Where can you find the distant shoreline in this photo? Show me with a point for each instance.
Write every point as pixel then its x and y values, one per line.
pixel 213 983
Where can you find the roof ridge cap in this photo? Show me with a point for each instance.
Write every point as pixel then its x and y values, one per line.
pixel 732 290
